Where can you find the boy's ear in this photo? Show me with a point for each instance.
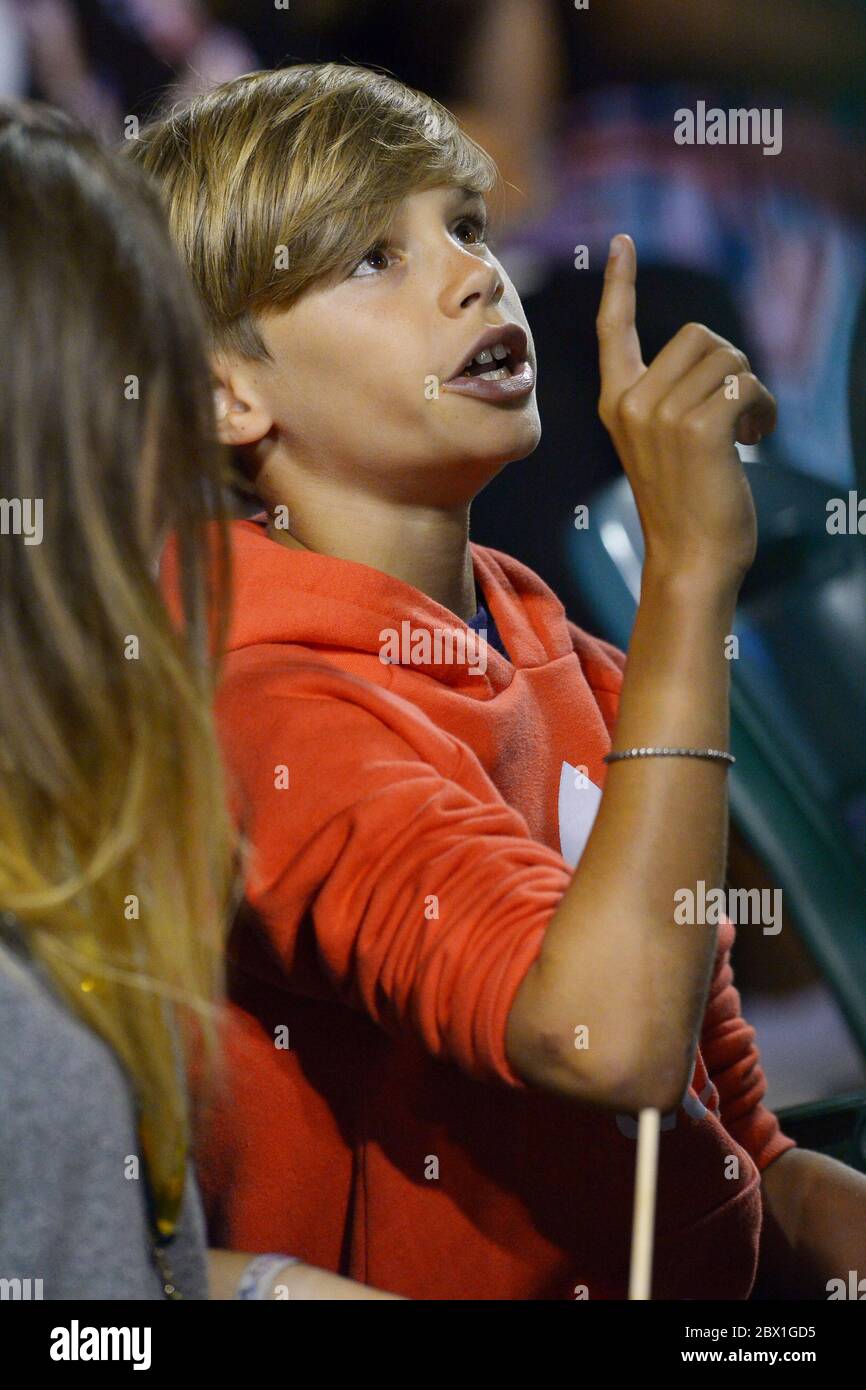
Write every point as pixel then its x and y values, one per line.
pixel 241 413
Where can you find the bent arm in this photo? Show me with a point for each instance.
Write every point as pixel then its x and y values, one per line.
pixel 613 959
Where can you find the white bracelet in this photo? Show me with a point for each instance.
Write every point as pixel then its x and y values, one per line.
pixel 666 752
pixel 258 1275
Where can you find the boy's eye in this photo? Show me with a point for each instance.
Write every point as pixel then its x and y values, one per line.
pixel 364 266
pixel 476 225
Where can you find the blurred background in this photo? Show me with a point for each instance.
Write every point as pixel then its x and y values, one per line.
pixel 576 103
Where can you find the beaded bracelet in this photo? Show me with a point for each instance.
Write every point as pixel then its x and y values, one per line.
pixel 712 753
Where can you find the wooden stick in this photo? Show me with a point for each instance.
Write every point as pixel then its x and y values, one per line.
pixel 643 1218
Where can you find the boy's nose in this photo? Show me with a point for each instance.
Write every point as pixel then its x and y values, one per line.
pixel 467 283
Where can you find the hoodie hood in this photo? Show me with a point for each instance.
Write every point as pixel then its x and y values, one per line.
pixel 343 608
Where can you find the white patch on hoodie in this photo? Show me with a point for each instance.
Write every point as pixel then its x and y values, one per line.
pixel 579 800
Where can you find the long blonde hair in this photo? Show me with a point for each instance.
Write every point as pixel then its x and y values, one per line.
pixel 116 846
pixel 276 180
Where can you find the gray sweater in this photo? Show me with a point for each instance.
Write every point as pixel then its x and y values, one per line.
pixel 68 1214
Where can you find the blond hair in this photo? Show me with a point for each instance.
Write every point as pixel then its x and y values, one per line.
pixel 279 179
pixel 116 844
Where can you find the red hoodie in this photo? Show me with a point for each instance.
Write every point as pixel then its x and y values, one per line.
pixel 407 826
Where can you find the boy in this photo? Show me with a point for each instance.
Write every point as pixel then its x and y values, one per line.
pixel 440 1034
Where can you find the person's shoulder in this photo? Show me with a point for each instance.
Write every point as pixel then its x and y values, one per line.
pixel 268 680
pixel 278 699
pixel 67 1132
pixel 50 1058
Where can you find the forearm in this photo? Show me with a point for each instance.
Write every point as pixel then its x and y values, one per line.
pixel 613 957
pixel 291 1281
pixel 814 1226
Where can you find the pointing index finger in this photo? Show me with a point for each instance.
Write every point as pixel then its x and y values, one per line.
pixel 619 351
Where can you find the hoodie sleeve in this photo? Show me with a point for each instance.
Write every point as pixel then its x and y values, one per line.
pixel 427 895
pixel 733 1064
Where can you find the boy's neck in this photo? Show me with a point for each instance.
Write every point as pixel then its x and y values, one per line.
pixel 424 547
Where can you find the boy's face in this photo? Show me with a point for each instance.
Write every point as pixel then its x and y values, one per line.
pixel 357 388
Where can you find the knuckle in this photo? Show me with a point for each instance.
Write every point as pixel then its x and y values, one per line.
pixel 731 357
pixel 695 332
pixel 694 429
pixel 630 409
pixel 667 415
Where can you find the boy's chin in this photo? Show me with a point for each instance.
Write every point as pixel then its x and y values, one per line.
pixel 502 447
pixel 478 467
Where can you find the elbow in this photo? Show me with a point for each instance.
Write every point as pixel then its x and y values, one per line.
pixel 627 1076
pixel 620 1081
pixel 657 1081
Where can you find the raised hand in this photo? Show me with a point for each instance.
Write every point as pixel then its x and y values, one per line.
pixel 674 425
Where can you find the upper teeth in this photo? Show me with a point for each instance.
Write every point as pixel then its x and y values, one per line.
pixel 487 355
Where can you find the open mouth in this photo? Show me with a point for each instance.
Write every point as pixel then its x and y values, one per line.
pixel 498 369
pixel 495 363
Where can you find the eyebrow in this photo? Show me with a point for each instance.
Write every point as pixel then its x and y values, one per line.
pixel 462 194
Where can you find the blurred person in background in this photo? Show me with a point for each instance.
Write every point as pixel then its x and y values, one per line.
pixel 14 71
pixel 782 235
pixel 104 60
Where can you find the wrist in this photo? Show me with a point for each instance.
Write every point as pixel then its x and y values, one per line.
pixel 266 1276
pixel 690 587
